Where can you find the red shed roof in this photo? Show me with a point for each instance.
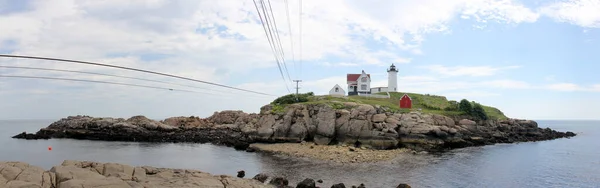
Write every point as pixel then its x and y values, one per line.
pixel 354 77
pixel 405 96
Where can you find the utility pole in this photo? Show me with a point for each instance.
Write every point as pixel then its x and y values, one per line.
pixel 297 81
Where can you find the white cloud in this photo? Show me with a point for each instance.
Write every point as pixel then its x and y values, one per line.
pixel 504 11
pixel 416 79
pixel 550 78
pixel 564 87
pixel 417 51
pixel 596 88
pixel 583 13
pixel 339 64
pixel 572 87
pixel 215 41
pixel 507 84
pixel 466 70
pixel 469 94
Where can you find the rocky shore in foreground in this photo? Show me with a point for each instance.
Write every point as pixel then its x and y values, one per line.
pixel 359 125
pixel 77 174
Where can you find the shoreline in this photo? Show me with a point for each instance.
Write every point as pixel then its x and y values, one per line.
pixel 336 154
pixel 361 126
pixel 72 173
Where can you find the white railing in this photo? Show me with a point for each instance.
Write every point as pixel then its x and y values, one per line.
pixel 375 96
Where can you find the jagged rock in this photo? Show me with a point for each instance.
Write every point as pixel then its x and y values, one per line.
pixel 361 124
pixel 342 120
pixel 241 174
pixel 281 128
pixel 77 174
pixel 306 183
pixel 403 185
pixel 339 185
pixel 124 172
pixel 325 125
pixel 266 123
pixel 279 181
pixel 298 131
pixel 261 177
pixel 363 112
pixel 322 140
pixel 226 116
pixel 378 118
pixel 104 182
pixel 141 121
pixel 187 122
pixel 467 122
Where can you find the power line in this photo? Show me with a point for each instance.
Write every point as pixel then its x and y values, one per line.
pixel 276 44
pixel 102 74
pixel 95 81
pixel 132 69
pixel 287 11
pixel 300 33
pixel 276 31
pixel 270 43
pixel 269 35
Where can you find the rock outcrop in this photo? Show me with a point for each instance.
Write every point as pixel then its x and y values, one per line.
pixel 352 124
pixel 72 174
pixel 88 174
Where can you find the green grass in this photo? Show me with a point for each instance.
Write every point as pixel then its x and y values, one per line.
pixel 278 108
pixel 494 113
pixel 427 103
pixel 435 104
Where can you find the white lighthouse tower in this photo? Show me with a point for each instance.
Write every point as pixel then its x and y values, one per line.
pixel 392 79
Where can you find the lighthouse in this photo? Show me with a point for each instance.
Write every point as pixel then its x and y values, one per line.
pixel 392 79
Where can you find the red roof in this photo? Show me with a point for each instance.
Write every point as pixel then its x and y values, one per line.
pixel 354 77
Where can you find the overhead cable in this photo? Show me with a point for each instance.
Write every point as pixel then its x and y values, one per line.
pixel 300 33
pixel 132 69
pixel 95 81
pixel 276 44
pixel 102 74
pixel 271 44
pixel 287 10
pixel 276 31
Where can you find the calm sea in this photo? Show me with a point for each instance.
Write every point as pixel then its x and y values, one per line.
pixel 571 162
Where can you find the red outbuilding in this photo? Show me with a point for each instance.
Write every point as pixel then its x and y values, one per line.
pixel 405 101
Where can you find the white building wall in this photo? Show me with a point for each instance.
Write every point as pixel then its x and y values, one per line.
pixel 393 81
pixel 379 89
pixel 348 87
pixel 361 83
pixel 339 92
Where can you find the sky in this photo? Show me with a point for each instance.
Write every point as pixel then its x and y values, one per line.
pixel 532 59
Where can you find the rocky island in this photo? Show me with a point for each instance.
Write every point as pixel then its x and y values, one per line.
pixel 323 120
pixel 340 129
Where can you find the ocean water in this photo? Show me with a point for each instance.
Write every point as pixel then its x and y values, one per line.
pixel 573 162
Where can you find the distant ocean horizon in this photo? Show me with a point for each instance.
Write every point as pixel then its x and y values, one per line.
pixel 566 162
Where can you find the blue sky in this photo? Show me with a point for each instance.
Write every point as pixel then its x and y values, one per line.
pixel 532 59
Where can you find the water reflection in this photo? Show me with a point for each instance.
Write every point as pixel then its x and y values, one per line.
pixel 563 163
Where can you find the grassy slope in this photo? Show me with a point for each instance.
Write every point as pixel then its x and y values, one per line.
pixel 427 103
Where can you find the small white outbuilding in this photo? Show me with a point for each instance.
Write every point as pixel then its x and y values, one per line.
pixel 337 91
